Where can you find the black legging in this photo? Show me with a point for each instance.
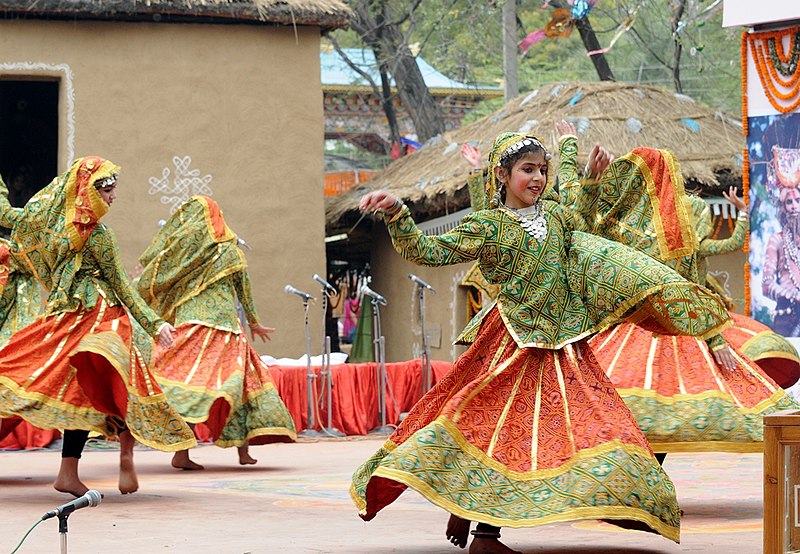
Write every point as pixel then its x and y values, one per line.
pixel 73 443
pixel 486 528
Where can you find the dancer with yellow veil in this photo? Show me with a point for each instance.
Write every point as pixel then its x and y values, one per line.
pixel 193 273
pixel 77 367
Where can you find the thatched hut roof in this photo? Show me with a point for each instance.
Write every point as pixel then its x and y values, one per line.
pixel 328 14
pixel 620 116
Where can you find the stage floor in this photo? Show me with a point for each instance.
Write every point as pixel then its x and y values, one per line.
pixel 296 500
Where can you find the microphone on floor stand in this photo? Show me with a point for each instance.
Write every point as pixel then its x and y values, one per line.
pixel 421 283
pixel 91 498
pixel 374 295
pixel 289 289
pixel 325 284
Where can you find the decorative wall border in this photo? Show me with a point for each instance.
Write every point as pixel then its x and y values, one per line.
pixel 65 72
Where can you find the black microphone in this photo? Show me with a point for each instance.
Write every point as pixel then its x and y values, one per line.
pixel 372 294
pixel 324 283
pixel 421 283
pixel 91 498
pixel 289 289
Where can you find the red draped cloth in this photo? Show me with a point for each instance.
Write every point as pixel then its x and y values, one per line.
pixel 355 393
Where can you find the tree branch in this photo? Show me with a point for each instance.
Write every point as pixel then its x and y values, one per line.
pixel 355 67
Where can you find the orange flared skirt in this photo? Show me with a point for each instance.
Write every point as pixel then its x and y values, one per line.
pixel 217 378
pixel 522 437
pixel 772 352
pixel 681 399
pixel 80 370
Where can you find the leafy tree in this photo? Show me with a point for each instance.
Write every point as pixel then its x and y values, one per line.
pixel 677 44
pixel 385 27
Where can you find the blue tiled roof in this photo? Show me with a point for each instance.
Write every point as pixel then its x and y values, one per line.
pixel 336 72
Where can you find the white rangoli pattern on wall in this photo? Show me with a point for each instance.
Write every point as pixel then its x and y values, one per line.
pixel 185 183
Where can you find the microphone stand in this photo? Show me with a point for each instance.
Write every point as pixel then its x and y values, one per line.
pixel 426 357
pixel 62 531
pixel 325 374
pixel 378 350
pixel 310 376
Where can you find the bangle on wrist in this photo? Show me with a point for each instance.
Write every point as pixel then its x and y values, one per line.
pixel 743 215
pixel 476 170
pixel 396 207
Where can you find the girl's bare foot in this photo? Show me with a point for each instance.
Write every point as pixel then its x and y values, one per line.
pixel 245 458
pixel 181 461
pixel 128 482
pixel 490 546
pixel 67 480
pixel 458 530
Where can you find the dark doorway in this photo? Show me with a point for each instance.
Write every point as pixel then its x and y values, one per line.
pixel 29 136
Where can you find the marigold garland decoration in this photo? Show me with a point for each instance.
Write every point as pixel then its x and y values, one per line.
pixel 718 222
pixel 777 67
pixel 744 84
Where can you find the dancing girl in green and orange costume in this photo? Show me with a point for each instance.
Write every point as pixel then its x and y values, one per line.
pixel 682 399
pixel 77 367
pixel 527 429
pixel 193 273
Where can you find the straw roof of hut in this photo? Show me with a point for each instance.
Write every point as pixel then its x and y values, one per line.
pixel 328 14
pixel 620 116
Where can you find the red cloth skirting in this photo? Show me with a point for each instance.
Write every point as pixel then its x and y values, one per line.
pixel 16 434
pixel 355 393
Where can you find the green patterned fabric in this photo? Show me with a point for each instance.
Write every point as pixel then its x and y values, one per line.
pixel 769 344
pixel 261 413
pixel 440 464
pixel 710 246
pixel 701 420
pixel 618 207
pixel 477 192
pixel 59 240
pixel 565 287
pixel 194 267
pixel 9 215
pixel 20 296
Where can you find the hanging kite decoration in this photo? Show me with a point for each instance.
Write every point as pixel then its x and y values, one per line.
pixel 561 24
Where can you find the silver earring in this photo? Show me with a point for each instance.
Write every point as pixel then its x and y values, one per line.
pixel 497 197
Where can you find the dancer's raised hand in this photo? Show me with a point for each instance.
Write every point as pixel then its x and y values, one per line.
pixel 472 155
pixel 380 200
pixel 731 197
pixel 565 127
pixel 599 160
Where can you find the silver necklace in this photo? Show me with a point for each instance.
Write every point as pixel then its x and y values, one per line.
pixel 532 220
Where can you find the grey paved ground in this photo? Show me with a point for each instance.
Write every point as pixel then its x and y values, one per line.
pixel 296 501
